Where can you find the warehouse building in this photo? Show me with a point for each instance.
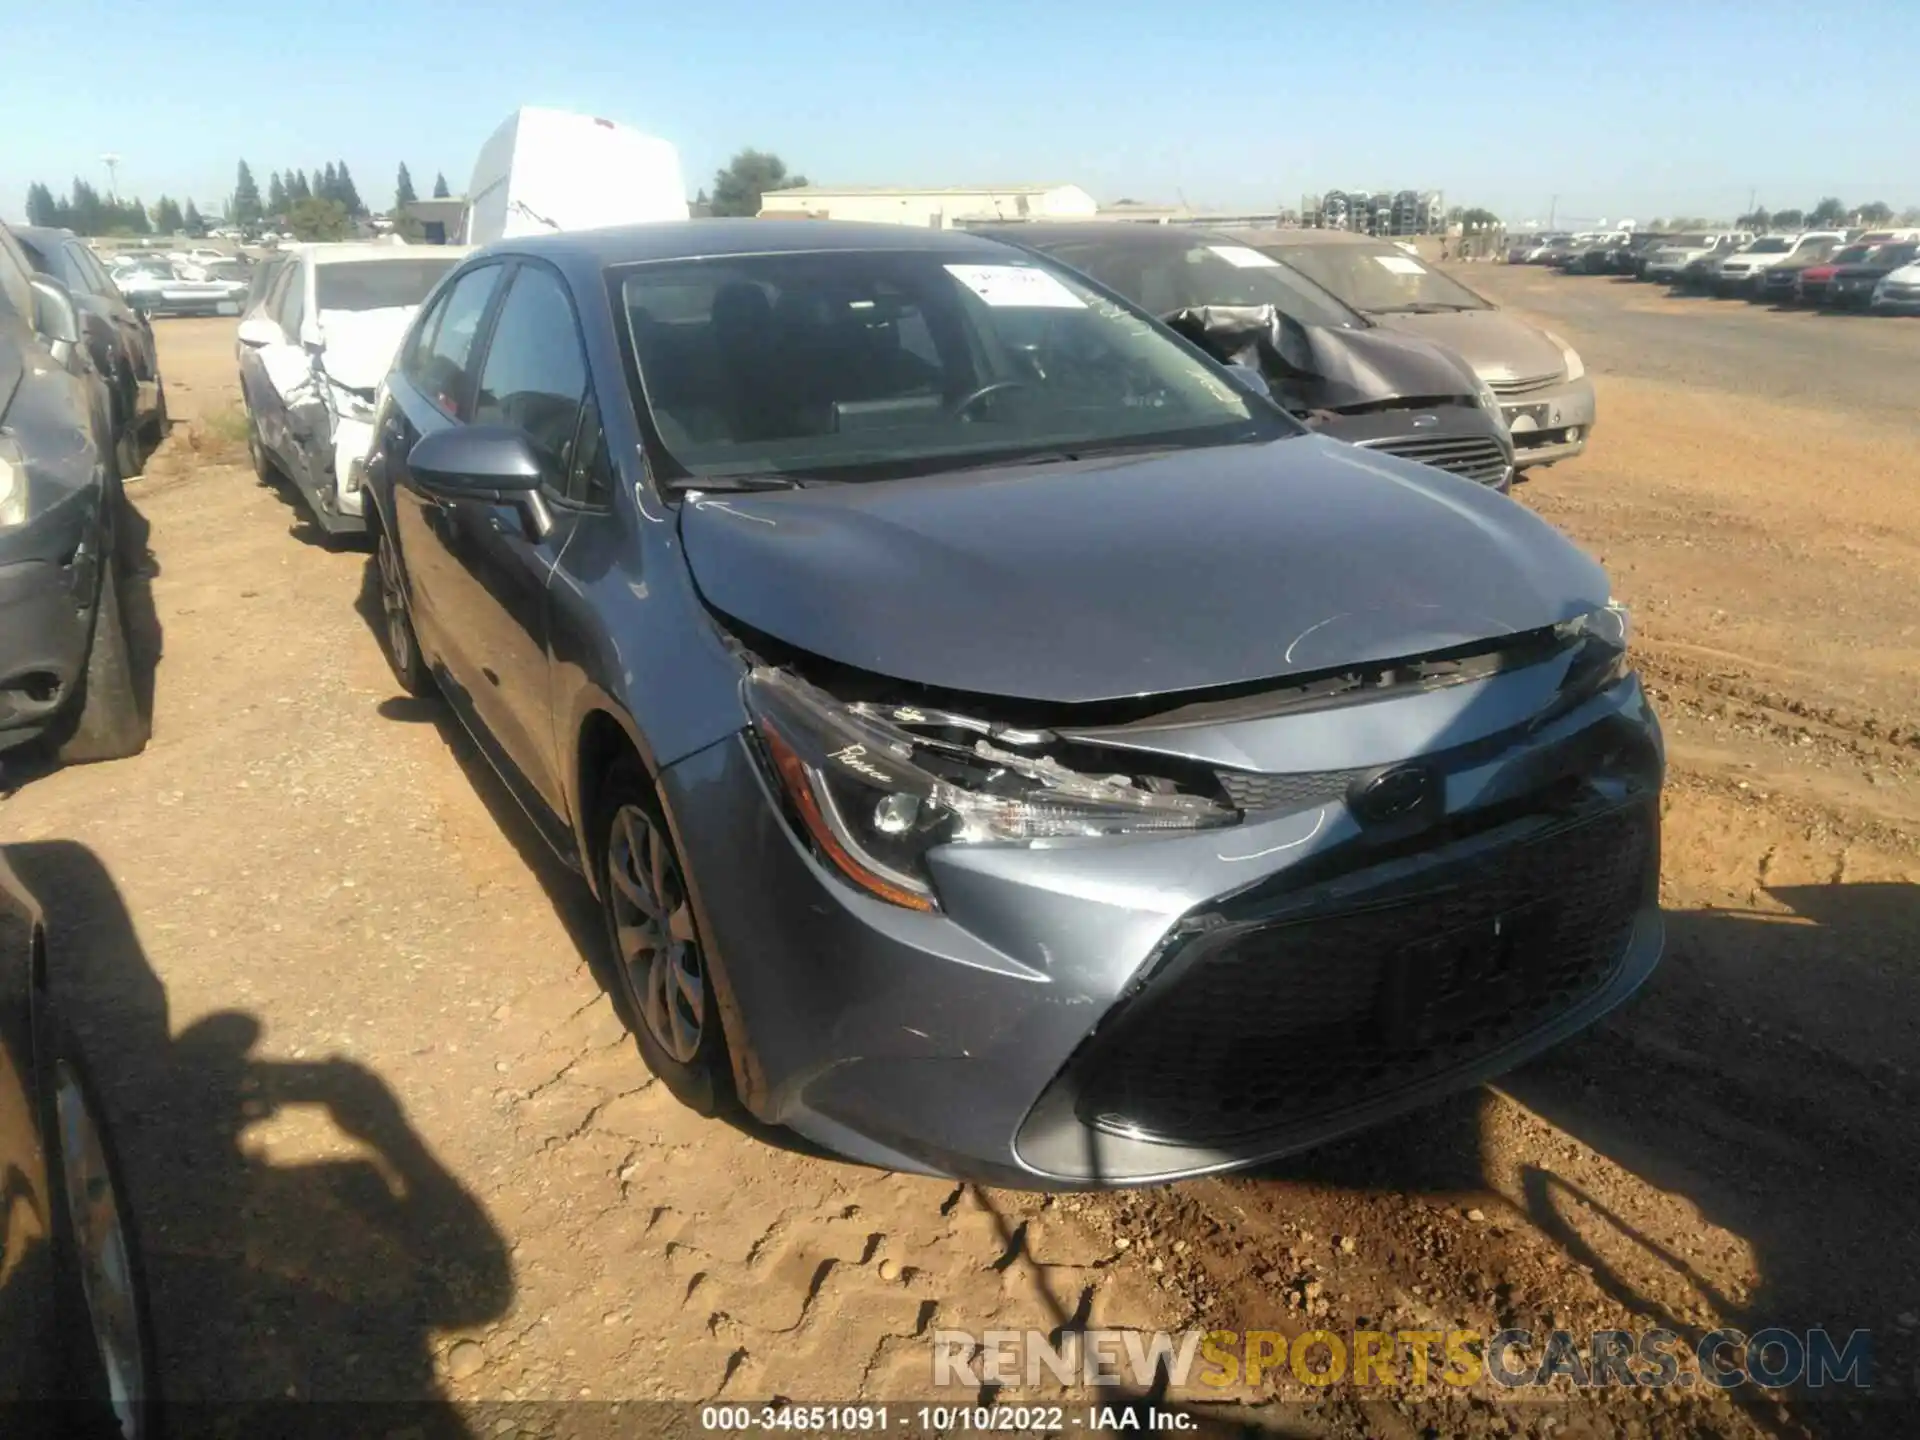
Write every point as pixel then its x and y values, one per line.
pixel 939 208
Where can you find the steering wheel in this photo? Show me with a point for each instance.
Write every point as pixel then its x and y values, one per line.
pixel 973 397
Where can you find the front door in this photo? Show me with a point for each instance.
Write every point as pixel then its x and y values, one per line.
pixel 493 577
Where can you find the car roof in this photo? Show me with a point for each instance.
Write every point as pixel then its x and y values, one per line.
pixel 1120 232
pixel 42 234
pixel 705 239
pixel 1280 236
pixel 343 252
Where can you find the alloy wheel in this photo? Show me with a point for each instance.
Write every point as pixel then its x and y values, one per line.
pixel 653 927
pixel 393 603
pixel 101 1248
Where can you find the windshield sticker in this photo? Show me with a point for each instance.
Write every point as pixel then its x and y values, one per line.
pixel 1017 287
pixel 1400 264
pixel 1244 257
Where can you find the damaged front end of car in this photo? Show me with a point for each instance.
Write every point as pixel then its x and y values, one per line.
pixel 1372 388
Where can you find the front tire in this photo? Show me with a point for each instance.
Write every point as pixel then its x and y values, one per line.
pixel 398 640
pixel 109 723
pixel 264 469
pixel 656 945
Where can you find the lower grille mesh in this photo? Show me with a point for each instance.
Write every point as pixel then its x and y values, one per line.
pixel 1251 1030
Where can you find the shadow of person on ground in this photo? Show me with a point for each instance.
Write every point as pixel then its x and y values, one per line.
pixel 1766 1075
pixel 325 1274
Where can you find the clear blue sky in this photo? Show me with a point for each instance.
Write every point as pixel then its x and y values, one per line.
pixel 1621 107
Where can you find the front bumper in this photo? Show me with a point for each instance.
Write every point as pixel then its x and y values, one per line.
pixel 1553 423
pixel 46 621
pixel 1851 294
pixel 1737 282
pixel 976 1042
pixel 1902 299
pixel 352 443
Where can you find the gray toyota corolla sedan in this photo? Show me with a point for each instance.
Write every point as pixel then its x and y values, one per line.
pixel 1002 743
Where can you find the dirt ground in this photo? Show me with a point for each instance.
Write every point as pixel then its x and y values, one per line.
pixel 388 1138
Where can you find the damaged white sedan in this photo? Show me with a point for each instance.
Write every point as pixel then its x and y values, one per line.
pixel 314 349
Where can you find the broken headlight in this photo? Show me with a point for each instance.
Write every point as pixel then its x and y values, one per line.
pixel 1599 639
pixel 875 787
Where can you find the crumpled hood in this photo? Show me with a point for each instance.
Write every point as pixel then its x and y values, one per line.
pixel 1359 367
pixel 1494 343
pixel 1137 575
pixel 360 344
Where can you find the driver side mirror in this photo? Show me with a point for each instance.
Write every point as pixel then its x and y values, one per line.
pixel 258 330
pixel 55 317
pixel 492 464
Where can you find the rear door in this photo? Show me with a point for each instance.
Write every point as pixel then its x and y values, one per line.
pixel 493 574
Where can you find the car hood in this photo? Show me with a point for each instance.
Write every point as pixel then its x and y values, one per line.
pixel 1866 270
pixel 1362 367
pixel 1137 575
pixel 360 344
pixel 1493 342
pixel 1906 274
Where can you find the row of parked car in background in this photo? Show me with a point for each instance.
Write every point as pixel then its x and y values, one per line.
pixel 1863 270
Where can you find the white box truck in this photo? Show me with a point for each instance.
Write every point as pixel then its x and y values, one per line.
pixel 547 170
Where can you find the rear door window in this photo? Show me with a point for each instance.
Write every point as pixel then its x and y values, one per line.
pixel 439 365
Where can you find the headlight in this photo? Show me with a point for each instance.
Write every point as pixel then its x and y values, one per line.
pixel 1568 355
pixel 873 795
pixel 1601 638
pixel 1483 393
pixel 13 485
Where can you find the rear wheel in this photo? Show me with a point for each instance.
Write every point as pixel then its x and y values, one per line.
pixel 108 721
pixel 656 945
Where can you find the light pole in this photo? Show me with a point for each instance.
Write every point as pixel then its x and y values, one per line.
pixel 112 162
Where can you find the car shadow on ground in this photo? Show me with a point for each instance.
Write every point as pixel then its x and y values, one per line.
pixel 300 524
pixel 325 1278
pixel 1766 1076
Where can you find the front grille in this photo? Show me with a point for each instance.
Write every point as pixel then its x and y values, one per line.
pixel 1475 457
pixel 1252 1029
pixel 1258 794
pixel 1505 389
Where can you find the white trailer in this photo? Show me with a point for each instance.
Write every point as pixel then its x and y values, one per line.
pixel 547 170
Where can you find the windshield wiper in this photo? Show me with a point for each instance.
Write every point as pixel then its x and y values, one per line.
pixel 737 484
pixel 1424 307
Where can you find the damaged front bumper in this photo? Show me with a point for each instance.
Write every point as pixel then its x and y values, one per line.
pixel 1551 424
pixel 1108 1011
pixel 49 584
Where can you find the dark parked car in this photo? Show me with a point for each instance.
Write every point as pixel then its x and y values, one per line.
pixel 65 664
pixel 1338 370
pixel 1001 743
pixel 117 337
pixel 1852 286
pixel 1803 279
pixel 76 1349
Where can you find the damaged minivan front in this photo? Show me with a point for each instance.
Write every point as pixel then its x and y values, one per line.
pixel 1003 744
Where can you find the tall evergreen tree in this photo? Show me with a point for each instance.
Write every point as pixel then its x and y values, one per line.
pixel 42 208
pixel 297 188
pixel 403 195
pixel 276 194
pixel 192 221
pixel 246 198
pixel 440 191
pixel 346 193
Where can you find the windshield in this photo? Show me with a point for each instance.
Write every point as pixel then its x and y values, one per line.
pixel 1163 278
pixel 1852 254
pixel 1382 280
pixel 873 364
pixel 1774 245
pixel 1894 256
pixel 1691 242
pixel 377 284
